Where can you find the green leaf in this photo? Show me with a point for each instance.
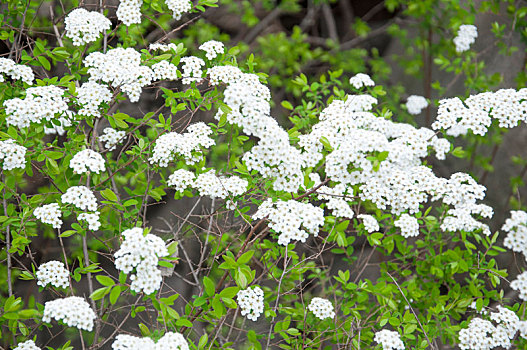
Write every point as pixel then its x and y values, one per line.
pixel 287 105
pixel 245 258
pixel 184 323
pixel 203 341
pixel 100 293
pixel 209 286
pixel 105 280
pixel 114 294
pixel 44 62
pixel 109 195
pixel 229 292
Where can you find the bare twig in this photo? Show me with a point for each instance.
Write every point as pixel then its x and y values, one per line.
pixel 412 309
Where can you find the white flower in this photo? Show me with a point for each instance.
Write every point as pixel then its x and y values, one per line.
pixel 516 228
pixel 120 68
pixel 181 179
pixel 164 70
pixel 73 311
pixel 49 214
pixel 415 104
pixel 361 80
pixel 322 308
pixel 292 220
pixel 141 253
pixel 87 160
pixel 192 69
pixel 27 345
pixel 169 341
pixel 81 197
pixel 408 225
pixel 54 273
pixel 16 71
pixel 129 342
pixel 466 36
pixel 369 222
pixel 83 26
pixel 129 11
pixel 389 340
pixel 172 341
pixel 41 103
pixel 520 285
pixel 162 47
pixel 188 145
pixel 224 74
pixel 90 95
pixel 112 138
pixel 179 7
pixel 484 335
pixel 212 48
pixel 92 219
pixel 251 302
pixel 12 155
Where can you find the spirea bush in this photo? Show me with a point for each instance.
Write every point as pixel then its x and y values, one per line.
pixel 151 199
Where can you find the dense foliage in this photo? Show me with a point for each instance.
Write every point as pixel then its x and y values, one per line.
pixel 170 183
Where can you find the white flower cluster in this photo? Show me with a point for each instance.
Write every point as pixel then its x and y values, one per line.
pixel 162 47
pixel 188 145
pixel 181 179
pixel 92 219
pixel 273 156
pixel 224 74
pixel 484 335
pixel 12 155
pixel 209 184
pixel 292 220
pixel 81 197
pixel 90 95
pixel 179 7
pixel 120 68
pixel 73 311
pixel 53 272
pixel 27 345
pixel 169 341
pixel 390 340
pixel 129 11
pixel 520 284
pixel 461 191
pixel 192 69
pixel 87 160
pixel 111 138
pixel 466 36
pixel 415 104
pixel 516 228
pixel 397 179
pixel 408 225
pixel 41 102
pixel 212 48
pixel 49 214
pixel 369 222
pixel 164 70
pixel 322 308
pixel 361 80
pixel 508 106
pixel 141 253
pixel 16 71
pixel 83 26
pixel 251 302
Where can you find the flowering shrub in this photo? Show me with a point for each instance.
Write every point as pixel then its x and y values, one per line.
pixel 292 219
